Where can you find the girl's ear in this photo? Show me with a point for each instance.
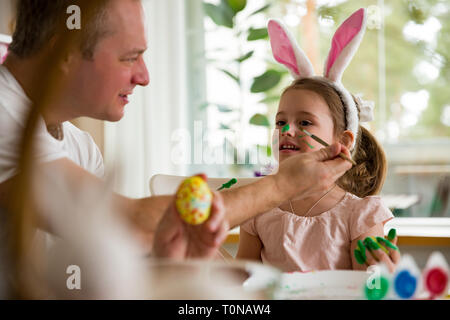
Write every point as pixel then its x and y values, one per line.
pixel 347 139
pixel 286 51
pixel 345 42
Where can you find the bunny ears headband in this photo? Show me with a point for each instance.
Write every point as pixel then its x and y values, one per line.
pixel 345 42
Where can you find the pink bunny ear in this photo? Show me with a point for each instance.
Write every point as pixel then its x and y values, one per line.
pixel 345 42
pixel 286 51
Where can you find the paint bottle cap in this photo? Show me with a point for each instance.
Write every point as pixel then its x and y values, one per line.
pixel 378 286
pixel 406 279
pixel 435 275
pixel 379 290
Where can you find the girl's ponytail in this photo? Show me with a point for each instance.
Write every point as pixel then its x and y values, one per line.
pixel 367 177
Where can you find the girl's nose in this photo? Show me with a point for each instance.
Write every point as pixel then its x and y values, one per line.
pixel 288 130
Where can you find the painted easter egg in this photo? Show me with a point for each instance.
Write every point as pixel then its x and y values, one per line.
pixel 193 200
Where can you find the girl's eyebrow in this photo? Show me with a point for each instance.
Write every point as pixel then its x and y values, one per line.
pixel 302 112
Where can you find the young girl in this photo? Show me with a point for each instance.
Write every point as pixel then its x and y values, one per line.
pixel 323 231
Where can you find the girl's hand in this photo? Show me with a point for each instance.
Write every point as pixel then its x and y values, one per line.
pixel 176 239
pixel 382 250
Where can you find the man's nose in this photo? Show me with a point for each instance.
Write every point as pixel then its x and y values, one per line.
pixel 141 76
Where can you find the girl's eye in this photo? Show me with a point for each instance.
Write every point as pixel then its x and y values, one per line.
pixel 280 123
pixel 305 123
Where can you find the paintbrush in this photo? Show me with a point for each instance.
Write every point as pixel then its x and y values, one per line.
pixel 342 155
pixel 228 184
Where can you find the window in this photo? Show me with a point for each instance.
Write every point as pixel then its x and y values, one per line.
pixel 402 65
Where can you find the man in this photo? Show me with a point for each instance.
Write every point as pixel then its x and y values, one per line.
pixel 95 79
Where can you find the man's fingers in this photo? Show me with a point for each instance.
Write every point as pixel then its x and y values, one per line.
pixel 217 236
pixel 222 234
pixel 327 153
pixel 217 212
pixel 338 167
pixel 201 175
pixel 168 227
pixel 168 231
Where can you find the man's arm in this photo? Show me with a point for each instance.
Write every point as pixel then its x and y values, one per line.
pixel 143 215
pixel 299 175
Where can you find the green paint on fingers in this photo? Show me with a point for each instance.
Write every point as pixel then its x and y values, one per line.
pixel 371 244
pixel 392 234
pixel 358 256
pixel 362 250
pixel 387 243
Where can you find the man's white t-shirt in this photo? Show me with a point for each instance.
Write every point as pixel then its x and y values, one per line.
pixel 77 145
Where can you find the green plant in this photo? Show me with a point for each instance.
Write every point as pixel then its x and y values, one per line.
pixel 227 14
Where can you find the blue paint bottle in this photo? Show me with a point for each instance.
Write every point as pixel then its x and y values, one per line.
pixel 406 279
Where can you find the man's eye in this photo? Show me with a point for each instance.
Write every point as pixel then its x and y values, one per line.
pixel 130 59
pixel 305 123
pixel 280 123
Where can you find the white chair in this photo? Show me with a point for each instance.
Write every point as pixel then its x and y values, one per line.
pixel 163 184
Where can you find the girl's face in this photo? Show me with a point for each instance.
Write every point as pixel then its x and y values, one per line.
pixel 300 108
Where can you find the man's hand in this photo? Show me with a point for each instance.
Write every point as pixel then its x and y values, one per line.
pixel 176 239
pixel 312 173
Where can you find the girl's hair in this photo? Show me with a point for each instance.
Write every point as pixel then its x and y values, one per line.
pixel 367 177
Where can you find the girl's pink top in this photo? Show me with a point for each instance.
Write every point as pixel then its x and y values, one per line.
pixel 294 243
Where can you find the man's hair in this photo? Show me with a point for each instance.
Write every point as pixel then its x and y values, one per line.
pixel 37 21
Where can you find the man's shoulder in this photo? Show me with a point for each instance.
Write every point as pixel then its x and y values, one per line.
pixel 74 133
pixel 82 147
pixel 12 115
pixel 79 139
pixel 14 104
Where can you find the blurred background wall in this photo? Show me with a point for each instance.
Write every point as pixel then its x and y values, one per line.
pixel 6 16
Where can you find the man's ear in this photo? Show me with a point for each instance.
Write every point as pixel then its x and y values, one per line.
pixel 68 57
pixel 347 139
pixel 67 61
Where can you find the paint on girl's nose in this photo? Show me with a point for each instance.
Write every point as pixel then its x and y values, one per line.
pixel 285 128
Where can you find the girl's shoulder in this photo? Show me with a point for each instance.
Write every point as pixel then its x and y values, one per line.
pixel 369 206
pixel 364 213
pixel 368 202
